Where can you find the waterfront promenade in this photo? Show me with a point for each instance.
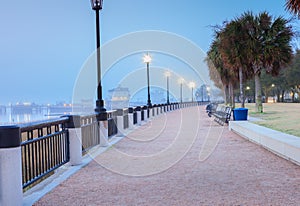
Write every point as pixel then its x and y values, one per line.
pixel 181 158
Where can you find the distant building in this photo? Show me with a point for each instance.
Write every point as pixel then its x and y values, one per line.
pixel 25 108
pixel 60 108
pixel 118 98
pixel 2 109
pixel 85 106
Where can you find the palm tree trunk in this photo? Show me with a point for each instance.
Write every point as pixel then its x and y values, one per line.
pixel 242 99
pixel 258 97
pixel 231 94
pixel 266 95
pixel 278 97
pixel 282 96
pixel 226 93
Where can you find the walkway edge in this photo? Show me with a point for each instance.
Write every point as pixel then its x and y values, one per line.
pixel 61 174
pixel 282 144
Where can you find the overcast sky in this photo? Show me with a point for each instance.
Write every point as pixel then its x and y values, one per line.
pixel 44 44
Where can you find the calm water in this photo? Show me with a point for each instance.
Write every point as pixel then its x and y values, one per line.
pixel 9 118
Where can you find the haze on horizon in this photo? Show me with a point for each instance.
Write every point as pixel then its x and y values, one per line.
pixel 44 44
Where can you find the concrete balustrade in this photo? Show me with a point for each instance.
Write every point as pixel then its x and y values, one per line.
pixel 122 121
pixel 150 116
pixel 131 113
pixel 157 110
pixel 103 127
pixel 75 138
pixel 145 110
pixel 10 166
pixel 139 115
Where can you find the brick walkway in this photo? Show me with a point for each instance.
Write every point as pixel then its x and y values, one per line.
pixel 182 158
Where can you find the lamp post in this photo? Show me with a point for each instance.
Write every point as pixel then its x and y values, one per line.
pixel 208 93
pixel 192 86
pixel 247 93
pixel 273 92
pixel 147 60
pixel 202 93
pixel 181 81
pixel 97 6
pixel 168 74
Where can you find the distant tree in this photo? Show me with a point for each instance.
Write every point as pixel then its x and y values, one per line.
pixel 292 75
pixel 273 86
pixel 293 6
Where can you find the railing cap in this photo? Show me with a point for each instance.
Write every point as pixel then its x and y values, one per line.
pixel 121 112
pixel 10 136
pixel 74 121
pixel 102 116
pixel 131 109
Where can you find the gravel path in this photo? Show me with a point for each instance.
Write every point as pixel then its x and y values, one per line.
pixel 182 158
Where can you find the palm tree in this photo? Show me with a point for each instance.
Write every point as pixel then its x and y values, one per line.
pixel 233 53
pixel 293 6
pixel 268 46
pixel 227 77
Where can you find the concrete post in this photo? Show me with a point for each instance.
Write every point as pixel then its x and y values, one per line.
pixel 145 108
pixel 131 118
pixel 139 116
pixel 103 128
pixel 11 192
pixel 75 137
pixel 154 111
pixel 120 121
pixel 150 113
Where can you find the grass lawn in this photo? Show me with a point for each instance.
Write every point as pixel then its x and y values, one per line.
pixel 284 117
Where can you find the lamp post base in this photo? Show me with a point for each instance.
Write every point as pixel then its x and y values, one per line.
pixel 101 113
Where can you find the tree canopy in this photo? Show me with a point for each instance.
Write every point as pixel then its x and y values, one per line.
pixel 249 44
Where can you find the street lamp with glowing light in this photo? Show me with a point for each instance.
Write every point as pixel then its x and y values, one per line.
pixel 181 81
pixel 97 6
pixel 168 74
pixel 147 60
pixel 192 86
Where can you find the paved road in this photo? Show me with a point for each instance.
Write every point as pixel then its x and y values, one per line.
pixel 182 158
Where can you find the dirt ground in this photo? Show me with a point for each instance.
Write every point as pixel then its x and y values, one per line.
pixel 220 168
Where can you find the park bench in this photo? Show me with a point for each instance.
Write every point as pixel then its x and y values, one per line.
pixel 222 113
pixel 211 108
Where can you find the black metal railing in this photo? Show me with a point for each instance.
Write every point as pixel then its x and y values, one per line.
pixel 90 132
pixel 45 147
pixel 45 144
